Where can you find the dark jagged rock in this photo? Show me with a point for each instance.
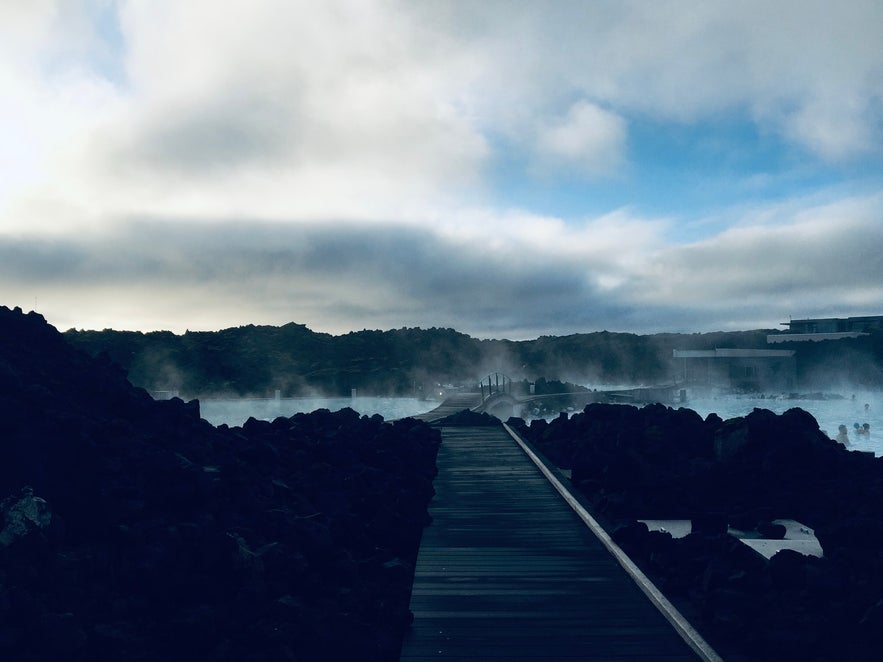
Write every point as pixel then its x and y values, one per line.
pixel 771 530
pixel 133 529
pixel 629 533
pixel 709 524
pixel 660 463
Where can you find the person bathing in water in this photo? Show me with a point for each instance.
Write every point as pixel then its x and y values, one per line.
pixel 862 429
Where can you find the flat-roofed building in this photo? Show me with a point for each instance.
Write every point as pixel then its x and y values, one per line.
pixel 827 328
pixel 749 370
pixel 836 324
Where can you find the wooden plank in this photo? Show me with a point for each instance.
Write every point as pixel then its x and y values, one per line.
pixel 507 571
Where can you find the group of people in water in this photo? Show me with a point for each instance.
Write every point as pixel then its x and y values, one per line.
pixel 860 430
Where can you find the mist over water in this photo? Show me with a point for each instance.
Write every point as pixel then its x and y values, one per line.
pixel 830 413
pixel 236 411
pixel 834 410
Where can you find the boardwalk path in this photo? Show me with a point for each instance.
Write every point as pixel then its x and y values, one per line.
pixel 508 572
pixel 452 405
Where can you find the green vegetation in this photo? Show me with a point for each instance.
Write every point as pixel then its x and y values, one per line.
pixel 257 360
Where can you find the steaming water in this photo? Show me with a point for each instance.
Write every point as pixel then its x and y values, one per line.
pixel 829 413
pixel 237 411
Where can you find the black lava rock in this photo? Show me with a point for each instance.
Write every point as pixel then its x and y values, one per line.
pixel 133 529
pixel 659 463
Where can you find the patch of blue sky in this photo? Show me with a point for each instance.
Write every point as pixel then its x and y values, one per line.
pixel 109 59
pixel 99 46
pixel 516 183
pixel 690 173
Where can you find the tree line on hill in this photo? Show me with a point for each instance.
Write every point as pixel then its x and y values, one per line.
pixel 258 360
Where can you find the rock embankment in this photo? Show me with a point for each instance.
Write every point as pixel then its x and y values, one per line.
pixel 743 473
pixel 132 529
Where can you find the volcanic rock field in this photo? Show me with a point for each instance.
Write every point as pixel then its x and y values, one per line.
pixel 132 529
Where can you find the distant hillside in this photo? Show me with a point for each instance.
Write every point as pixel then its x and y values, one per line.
pixel 839 364
pixel 257 360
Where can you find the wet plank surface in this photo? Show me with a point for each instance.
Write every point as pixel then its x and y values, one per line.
pixel 508 572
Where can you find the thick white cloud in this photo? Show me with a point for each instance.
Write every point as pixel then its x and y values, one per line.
pixel 518 277
pixel 381 109
pixel 793 66
pixel 589 141
pixel 342 108
pixel 338 109
pixel 288 153
pixel 818 257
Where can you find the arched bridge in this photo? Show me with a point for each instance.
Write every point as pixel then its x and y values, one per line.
pixel 498 396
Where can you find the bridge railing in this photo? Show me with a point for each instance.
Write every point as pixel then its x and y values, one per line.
pixel 495 382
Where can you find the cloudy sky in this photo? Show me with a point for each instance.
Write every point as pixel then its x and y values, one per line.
pixel 506 168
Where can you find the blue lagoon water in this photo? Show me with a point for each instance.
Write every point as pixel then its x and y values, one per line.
pixel 830 412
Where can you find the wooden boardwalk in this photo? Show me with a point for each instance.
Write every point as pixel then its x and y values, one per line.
pixel 508 572
pixel 453 404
